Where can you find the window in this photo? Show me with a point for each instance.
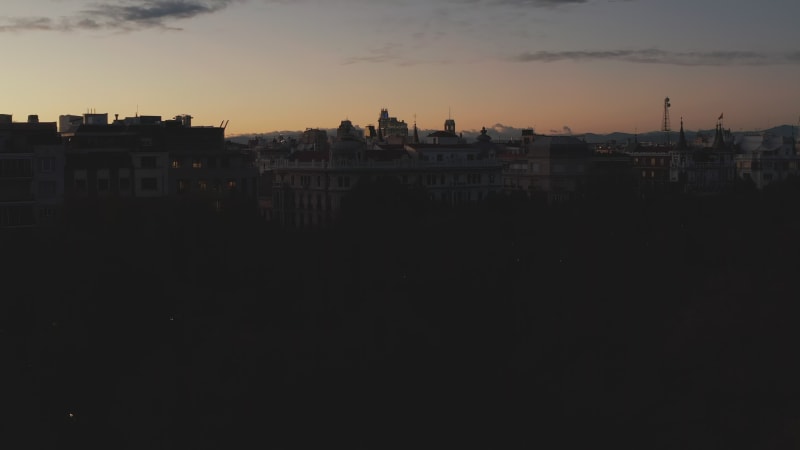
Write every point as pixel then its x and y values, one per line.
pixel 102 184
pixel 124 184
pixel 183 186
pixel 47 164
pixel 438 157
pixel 148 162
pixel 16 168
pixel 47 189
pixel 652 161
pixel 149 184
pixel 176 163
pixel 197 163
pixel 319 181
pixel 80 184
pixel 202 185
pixel 231 184
pixel 491 179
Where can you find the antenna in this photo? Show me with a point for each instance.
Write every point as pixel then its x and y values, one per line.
pixel 665 126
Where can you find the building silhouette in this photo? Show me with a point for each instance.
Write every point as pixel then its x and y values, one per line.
pixel 31 172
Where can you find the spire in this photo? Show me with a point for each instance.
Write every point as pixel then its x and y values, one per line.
pixel 719 139
pixel 416 135
pixel 682 145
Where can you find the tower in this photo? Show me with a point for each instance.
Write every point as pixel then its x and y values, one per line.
pixel 665 127
pixel 450 124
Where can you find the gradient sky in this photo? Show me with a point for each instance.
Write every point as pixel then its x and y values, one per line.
pixel 590 65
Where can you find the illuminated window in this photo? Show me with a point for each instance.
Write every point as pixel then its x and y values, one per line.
pixel 176 163
pixel 202 185
pixel 231 185
pixel 183 186
pixel 197 163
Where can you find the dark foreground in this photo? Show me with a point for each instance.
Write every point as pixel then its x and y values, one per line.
pixel 666 325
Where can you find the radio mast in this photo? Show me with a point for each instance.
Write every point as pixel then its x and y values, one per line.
pixel 665 127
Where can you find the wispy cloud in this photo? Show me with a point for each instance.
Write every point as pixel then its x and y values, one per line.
pixel 122 15
pixel 656 56
pixel 532 3
pixel 392 53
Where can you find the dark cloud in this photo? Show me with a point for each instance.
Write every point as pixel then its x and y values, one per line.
pixel 656 56
pixel 125 15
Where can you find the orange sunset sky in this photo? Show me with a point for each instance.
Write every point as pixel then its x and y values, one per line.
pixel 593 66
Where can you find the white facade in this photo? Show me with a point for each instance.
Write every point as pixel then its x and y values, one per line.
pixel 766 159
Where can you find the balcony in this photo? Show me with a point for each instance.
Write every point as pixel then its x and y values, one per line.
pixel 396 164
pixel 17 198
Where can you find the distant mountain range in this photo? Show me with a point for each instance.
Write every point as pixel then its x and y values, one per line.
pixel 502 133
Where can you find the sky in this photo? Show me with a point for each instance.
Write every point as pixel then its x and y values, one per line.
pixel 581 65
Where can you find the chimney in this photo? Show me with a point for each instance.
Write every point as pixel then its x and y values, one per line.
pixel 33 118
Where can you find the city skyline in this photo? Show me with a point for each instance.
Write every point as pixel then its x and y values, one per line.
pixel 586 66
